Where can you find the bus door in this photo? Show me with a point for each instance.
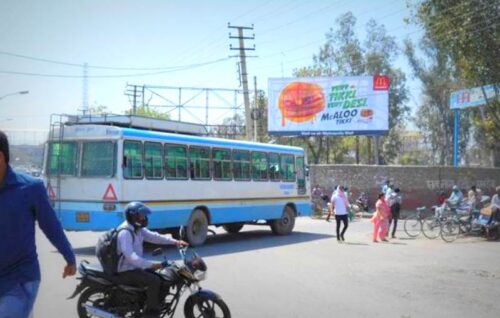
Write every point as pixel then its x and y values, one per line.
pixel 301 175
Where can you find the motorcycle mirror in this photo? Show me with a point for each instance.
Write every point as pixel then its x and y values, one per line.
pixel 157 251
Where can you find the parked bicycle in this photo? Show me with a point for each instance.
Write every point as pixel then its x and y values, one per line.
pixel 413 223
pixel 431 226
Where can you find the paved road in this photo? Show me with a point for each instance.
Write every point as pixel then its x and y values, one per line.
pixel 309 274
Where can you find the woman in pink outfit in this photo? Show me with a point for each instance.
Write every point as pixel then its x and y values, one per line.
pixel 380 219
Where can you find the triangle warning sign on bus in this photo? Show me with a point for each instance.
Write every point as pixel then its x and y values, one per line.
pixel 51 192
pixel 110 193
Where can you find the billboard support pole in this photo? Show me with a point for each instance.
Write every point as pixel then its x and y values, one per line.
pixel 455 137
pixel 377 161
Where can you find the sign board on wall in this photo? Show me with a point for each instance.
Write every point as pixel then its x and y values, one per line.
pixel 471 97
pixel 353 105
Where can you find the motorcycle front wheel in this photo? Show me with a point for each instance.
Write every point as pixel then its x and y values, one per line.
pixel 203 306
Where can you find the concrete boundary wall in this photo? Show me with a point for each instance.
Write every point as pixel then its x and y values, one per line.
pixel 420 185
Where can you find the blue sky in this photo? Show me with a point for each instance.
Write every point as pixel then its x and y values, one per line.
pixel 152 34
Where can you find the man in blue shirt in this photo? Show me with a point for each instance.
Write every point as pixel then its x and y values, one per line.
pixel 23 200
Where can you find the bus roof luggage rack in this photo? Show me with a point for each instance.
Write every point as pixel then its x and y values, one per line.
pixel 139 122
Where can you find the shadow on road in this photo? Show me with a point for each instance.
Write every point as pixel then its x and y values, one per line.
pixel 225 243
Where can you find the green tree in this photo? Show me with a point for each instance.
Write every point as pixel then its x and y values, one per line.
pixel 466 31
pixel 343 55
pixel 231 128
pixel 146 111
pixel 434 117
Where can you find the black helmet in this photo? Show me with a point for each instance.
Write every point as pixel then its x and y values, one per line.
pixel 133 210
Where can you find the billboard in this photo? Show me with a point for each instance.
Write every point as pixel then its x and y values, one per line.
pixel 308 106
pixel 471 97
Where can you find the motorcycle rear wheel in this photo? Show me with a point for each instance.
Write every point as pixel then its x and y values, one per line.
pixel 94 297
pixel 203 306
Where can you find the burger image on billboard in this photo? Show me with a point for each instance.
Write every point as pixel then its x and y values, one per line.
pixel 367 113
pixel 301 101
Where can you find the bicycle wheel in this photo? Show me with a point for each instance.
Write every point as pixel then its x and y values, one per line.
pixel 450 230
pixel 431 227
pixel 412 226
pixel 465 225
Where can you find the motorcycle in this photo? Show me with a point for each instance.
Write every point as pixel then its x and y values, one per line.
pixel 103 296
pixel 470 219
pixel 361 204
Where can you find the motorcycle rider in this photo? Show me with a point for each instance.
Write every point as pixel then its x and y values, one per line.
pixel 474 197
pixel 456 197
pixel 495 206
pixel 133 269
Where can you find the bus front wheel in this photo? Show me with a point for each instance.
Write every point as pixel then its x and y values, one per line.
pixel 196 230
pixel 284 225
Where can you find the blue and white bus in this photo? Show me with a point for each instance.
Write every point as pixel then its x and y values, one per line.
pixel 93 171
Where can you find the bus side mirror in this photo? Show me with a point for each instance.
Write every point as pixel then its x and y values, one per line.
pixel 307 171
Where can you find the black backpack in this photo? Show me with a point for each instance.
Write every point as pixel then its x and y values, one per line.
pixel 107 252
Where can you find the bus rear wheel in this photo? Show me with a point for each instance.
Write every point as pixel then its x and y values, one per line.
pixel 284 225
pixel 196 230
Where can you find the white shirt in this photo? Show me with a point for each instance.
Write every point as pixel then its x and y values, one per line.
pixel 132 247
pixel 339 204
pixel 495 201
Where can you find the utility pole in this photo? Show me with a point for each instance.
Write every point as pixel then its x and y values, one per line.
pixel 85 89
pixel 132 90
pixel 248 122
pixel 255 111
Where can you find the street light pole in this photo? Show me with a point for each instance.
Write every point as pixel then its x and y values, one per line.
pixel 16 93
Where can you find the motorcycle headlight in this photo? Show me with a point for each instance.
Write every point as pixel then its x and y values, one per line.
pixel 200 275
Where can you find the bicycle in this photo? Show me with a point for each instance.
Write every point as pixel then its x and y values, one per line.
pixel 431 226
pixel 461 224
pixel 450 230
pixel 413 223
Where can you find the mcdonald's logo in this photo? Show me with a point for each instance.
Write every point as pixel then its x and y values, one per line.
pixel 381 82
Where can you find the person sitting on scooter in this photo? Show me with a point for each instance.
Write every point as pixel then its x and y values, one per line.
pixel 133 269
pixel 495 206
pixel 455 198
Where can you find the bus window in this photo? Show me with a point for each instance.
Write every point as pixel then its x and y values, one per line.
pixel 222 164
pixel 132 159
pixel 176 162
pixel 274 167
pixel 259 166
pixel 241 165
pixel 288 167
pixel 98 159
pixel 63 158
pixel 153 160
pixel 199 159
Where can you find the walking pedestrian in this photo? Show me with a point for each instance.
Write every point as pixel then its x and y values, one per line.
pixel 338 207
pixel 330 210
pixel 395 205
pixel 350 212
pixel 24 202
pixel 380 218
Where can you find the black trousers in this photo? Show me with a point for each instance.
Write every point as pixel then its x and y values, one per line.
pixel 344 219
pixel 143 278
pixel 395 210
